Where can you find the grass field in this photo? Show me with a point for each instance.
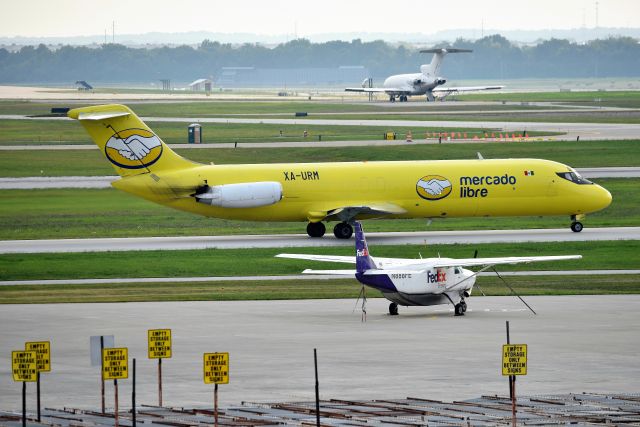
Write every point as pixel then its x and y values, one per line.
pixel 605 116
pixel 624 99
pixel 253 262
pixel 233 262
pixel 78 213
pixel 207 108
pixel 22 163
pixel 40 132
pixel 300 289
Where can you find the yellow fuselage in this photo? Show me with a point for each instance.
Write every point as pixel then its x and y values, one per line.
pixel 506 187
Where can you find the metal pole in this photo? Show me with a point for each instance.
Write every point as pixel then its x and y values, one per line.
pixel 133 394
pixel 24 404
pixel 160 382
pixel 513 405
pixel 101 370
pixel 510 376
pixel 38 393
pixel 115 384
pixel 315 363
pixel 215 405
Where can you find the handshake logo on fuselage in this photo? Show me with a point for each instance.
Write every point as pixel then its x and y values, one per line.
pixel 433 187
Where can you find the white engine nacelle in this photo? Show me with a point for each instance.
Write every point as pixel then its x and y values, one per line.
pixel 243 195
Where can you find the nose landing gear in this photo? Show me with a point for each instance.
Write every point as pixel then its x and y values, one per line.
pixel 576 225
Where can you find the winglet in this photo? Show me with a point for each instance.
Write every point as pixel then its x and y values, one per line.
pixel 364 262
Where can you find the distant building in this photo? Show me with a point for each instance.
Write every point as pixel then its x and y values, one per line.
pixel 283 77
pixel 201 84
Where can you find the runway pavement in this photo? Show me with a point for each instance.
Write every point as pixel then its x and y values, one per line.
pixel 575 344
pixel 42 182
pixel 302 240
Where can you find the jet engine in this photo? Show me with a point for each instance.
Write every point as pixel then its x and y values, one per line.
pixel 242 195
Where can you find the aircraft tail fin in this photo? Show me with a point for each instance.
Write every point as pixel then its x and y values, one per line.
pixel 126 141
pixel 364 261
pixel 433 69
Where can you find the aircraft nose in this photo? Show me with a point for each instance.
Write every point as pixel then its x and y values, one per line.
pixel 601 199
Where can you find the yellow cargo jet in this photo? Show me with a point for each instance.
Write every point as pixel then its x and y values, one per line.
pixel 343 192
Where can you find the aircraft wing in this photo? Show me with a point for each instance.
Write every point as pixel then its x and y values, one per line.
pixel 450 90
pixel 470 262
pixel 331 272
pixel 347 213
pixel 325 258
pixel 370 89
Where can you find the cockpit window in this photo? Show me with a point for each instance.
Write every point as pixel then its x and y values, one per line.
pixel 456 270
pixel 573 177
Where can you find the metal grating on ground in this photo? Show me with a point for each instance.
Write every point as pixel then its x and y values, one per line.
pixel 587 409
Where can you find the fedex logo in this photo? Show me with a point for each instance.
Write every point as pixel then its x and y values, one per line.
pixel 437 277
pixel 362 252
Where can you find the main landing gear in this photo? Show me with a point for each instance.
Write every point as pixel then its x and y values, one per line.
pixel 393 309
pixel 316 229
pixel 461 308
pixel 342 230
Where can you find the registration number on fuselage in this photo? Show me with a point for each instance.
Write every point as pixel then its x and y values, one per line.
pixel 401 276
pixel 303 175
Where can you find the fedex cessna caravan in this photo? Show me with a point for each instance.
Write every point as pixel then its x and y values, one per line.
pixel 426 82
pixel 417 282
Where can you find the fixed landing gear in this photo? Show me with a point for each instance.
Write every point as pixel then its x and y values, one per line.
pixel 461 308
pixel 343 230
pixel 316 229
pixel 393 309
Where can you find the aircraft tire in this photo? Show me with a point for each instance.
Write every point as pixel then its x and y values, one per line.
pixel 576 227
pixel 393 309
pixel 343 230
pixel 464 306
pixel 316 229
pixel 458 310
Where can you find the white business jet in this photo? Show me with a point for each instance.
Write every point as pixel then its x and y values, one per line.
pixel 426 82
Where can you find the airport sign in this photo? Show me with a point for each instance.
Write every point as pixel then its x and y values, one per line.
pixel 159 343
pixel 514 359
pixel 24 366
pixel 43 354
pixel 216 368
pixel 115 363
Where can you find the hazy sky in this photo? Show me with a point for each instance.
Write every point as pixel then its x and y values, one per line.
pixel 42 18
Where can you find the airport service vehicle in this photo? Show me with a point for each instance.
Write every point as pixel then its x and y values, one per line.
pixel 342 192
pixel 426 82
pixel 416 282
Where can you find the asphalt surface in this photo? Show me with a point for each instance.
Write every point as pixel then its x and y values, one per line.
pixel 42 182
pixel 302 240
pixel 575 344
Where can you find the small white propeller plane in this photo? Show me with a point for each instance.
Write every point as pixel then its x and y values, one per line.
pixel 418 282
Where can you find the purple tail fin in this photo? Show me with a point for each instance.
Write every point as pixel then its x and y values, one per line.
pixel 363 261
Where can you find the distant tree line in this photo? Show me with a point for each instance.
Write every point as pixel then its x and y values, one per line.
pixel 493 57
